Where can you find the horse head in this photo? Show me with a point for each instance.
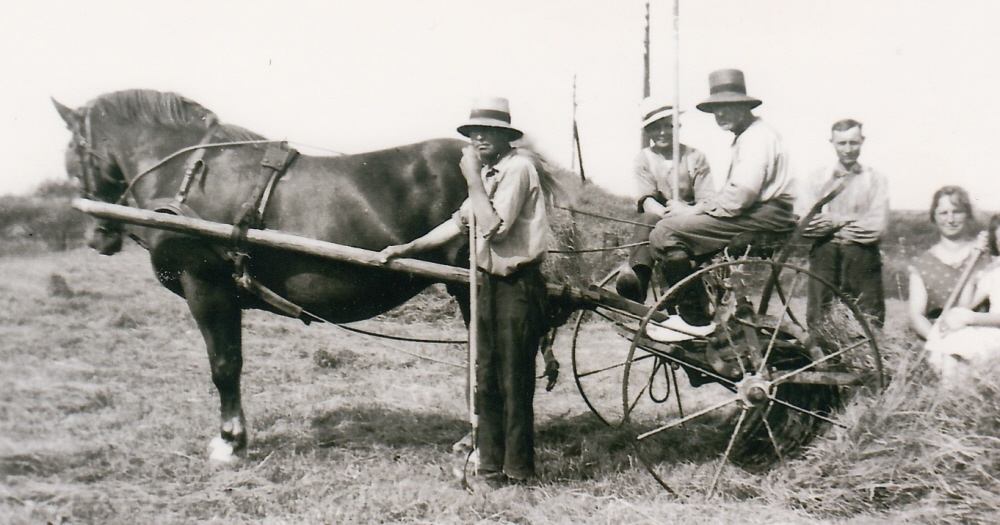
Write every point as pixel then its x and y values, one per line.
pixel 90 160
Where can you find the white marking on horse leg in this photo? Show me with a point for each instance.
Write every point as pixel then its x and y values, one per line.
pixel 220 451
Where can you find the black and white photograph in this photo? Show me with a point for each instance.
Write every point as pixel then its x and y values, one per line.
pixel 513 262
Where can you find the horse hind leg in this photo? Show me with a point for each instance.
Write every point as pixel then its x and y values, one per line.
pixel 213 302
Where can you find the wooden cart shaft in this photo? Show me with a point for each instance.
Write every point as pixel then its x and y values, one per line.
pixel 293 243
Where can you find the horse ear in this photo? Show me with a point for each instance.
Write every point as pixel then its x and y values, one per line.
pixel 71 117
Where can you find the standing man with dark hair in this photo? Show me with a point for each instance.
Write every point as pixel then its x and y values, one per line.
pixel 507 200
pixel 756 195
pixel 654 169
pixel 847 229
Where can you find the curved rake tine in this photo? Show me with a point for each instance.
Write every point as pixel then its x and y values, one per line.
pixel 724 381
pixel 677 392
pixel 732 344
pixel 777 328
pixel 808 412
pixel 641 392
pixel 785 300
pixel 725 457
pixel 770 433
pixel 820 361
pixel 652 471
pixel 683 420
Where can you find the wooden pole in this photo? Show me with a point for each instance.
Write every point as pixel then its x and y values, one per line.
pixel 576 136
pixel 645 74
pixel 956 292
pixel 677 103
pixel 473 337
pixel 271 239
pixel 299 244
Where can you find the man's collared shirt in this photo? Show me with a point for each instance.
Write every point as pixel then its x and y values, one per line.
pixel 654 174
pixel 521 236
pixel 758 172
pixel 863 204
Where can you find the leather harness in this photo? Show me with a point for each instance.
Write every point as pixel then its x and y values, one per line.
pixel 275 163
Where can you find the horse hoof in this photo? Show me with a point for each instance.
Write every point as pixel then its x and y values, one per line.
pixel 221 451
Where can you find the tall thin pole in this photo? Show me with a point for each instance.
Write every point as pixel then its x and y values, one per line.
pixel 677 101
pixel 578 157
pixel 645 72
pixel 572 145
pixel 473 337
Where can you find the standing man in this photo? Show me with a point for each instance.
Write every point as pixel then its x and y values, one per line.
pixel 756 195
pixel 654 168
pixel 506 198
pixel 846 231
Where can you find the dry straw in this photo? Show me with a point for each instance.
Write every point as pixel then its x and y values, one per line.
pixel 916 451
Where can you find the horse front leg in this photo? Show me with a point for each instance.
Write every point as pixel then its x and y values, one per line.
pixel 214 304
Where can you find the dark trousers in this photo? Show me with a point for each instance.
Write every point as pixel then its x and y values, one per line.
pixel 642 255
pixel 855 269
pixel 512 322
pixel 704 234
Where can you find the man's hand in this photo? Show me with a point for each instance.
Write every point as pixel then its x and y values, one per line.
pixel 392 252
pixel 470 164
pixel 676 208
pixel 821 225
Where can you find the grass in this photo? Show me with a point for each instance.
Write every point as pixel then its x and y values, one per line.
pixel 107 407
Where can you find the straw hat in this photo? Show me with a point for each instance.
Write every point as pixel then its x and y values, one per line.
pixel 726 86
pixel 653 109
pixel 491 112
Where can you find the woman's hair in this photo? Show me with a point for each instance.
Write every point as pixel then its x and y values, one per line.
pixel 959 197
pixel 992 234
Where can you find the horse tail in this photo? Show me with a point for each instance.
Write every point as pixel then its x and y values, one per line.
pixel 559 185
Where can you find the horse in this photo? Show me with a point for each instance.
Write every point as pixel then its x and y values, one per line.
pixel 162 151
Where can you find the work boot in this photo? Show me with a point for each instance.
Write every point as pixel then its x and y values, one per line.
pixel 693 304
pixel 633 282
pixel 691 301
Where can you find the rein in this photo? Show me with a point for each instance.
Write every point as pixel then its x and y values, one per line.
pixel 203 146
pixel 605 217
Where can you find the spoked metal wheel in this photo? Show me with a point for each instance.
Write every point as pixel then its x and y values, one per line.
pixel 600 355
pixel 770 381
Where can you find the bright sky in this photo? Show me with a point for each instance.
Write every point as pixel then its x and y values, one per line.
pixel 353 76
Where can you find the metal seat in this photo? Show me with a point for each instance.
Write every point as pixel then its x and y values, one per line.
pixel 761 244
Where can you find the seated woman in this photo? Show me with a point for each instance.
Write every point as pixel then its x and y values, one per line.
pixel 934 273
pixel 964 335
pixel 654 168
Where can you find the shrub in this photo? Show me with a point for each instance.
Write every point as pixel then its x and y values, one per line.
pixel 44 221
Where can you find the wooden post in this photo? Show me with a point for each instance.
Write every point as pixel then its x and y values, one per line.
pixel 473 337
pixel 297 244
pixel 677 103
pixel 578 158
pixel 645 72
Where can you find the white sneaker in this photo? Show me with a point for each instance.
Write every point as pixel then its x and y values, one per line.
pixel 675 330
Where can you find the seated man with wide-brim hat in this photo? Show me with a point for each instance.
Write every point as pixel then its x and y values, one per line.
pixel 755 197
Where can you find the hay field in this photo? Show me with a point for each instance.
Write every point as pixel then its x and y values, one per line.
pixel 107 406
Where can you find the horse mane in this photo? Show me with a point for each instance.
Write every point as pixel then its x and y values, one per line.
pixel 170 110
pixel 560 186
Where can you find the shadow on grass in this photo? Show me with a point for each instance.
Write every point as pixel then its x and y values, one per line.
pixel 85 465
pixel 371 426
pixel 567 448
pixel 583 448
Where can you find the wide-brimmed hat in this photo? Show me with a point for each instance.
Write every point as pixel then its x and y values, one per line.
pixel 726 86
pixel 653 109
pixel 490 112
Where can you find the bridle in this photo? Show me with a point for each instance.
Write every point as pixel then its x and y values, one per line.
pixel 86 156
pixel 91 174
